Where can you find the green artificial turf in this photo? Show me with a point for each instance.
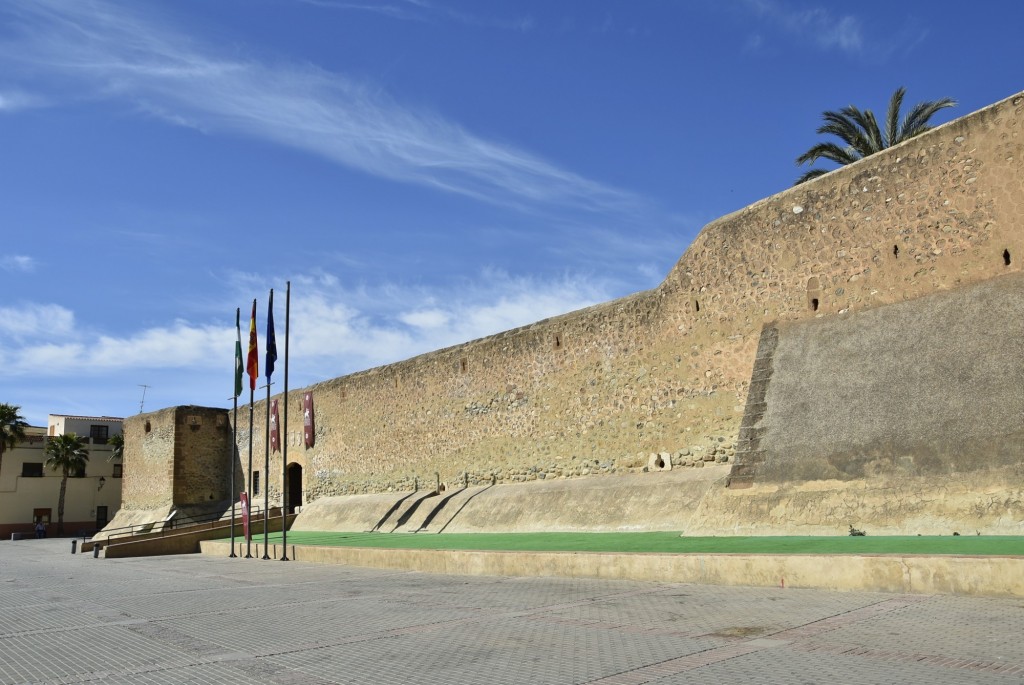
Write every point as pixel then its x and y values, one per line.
pixel 665 543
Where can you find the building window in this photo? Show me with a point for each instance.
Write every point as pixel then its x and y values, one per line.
pixel 99 434
pixel 32 470
pixel 255 483
pixel 41 515
pixel 118 470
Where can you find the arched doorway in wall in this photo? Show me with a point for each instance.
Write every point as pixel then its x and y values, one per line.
pixel 294 487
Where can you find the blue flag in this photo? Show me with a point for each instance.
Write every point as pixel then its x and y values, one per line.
pixel 271 340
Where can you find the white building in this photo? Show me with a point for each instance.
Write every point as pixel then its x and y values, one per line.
pixel 29 491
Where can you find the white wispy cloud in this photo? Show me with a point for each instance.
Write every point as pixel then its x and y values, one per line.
pixel 116 53
pixel 406 11
pixel 17 100
pixel 16 262
pixel 335 328
pixel 29 321
pixel 817 25
pixel 419 10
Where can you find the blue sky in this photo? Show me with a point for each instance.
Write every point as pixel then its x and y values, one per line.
pixel 424 172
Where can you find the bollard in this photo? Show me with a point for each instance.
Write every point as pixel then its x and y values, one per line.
pixel 74 546
pixel 95 551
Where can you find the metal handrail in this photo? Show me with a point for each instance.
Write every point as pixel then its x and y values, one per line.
pixel 171 524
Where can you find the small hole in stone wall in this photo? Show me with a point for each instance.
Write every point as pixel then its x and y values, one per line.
pixel 558 341
pixel 148 427
pixel 440 488
pixel 696 305
pixel 814 304
pixel 463 365
pixel 896 251
pixel 1006 258
pixel 659 463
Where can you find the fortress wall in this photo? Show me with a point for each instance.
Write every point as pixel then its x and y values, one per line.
pixel 668 370
pixel 933 387
pixel 149 453
pixel 176 456
pixel 202 450
pixel 903 419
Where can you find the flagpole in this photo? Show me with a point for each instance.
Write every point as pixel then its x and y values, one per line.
pixel 284 449
pixel 252 365
pixel 231 465
pixel 271 346
pixel 266 470
pixel 234 423
pixel 248 538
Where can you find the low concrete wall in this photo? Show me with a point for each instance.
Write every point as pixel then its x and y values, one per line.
pixel 982 576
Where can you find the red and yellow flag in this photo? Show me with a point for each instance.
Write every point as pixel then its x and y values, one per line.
pixel 252 366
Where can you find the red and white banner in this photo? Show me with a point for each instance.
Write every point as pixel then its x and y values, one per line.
pixel 244 497
pixel 307 418
pixel 275 440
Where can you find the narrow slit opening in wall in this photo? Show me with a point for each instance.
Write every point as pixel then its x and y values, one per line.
pixel 896 251
pixel 814 304
pixel 558 341
pixel 463 365
pixel 1006 258
pixel 696 305
pixel 148 427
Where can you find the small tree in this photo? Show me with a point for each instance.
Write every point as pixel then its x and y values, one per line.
pixel 861 135
pixel 67 453
pixel 117 442
pixel 12 427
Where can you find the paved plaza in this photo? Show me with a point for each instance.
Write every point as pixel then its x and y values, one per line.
pixel 203 619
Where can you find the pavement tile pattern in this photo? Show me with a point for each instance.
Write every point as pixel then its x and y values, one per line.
pixel 199 619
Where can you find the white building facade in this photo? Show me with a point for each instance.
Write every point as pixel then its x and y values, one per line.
pixel 29 491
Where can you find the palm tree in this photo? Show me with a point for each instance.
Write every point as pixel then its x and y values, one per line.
pixel 12 427
pixel 67 453
pixel 117 442
pixel 859 130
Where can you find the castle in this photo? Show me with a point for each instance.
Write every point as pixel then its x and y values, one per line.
pixel 848 351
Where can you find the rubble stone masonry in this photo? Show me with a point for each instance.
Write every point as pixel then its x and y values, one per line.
pixel 664 372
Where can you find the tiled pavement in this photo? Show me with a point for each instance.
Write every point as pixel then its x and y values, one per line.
pixel 202 619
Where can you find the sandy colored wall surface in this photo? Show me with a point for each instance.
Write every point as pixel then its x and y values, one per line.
pixel 177 456
pixel 907 419
pixel 932 387
pixel 661 378
pixel 666 500
pixel 667 370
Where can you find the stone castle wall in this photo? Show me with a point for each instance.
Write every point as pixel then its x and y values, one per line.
pixel 884 413
pixel 667 371
pixel 177 456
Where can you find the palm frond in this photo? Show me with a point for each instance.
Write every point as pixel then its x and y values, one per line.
pixel 810 175
pixel 866 123
pixel 916 121
pixel 830 151
pixel 859 130
pixel 848 130
pixel 892 120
